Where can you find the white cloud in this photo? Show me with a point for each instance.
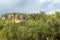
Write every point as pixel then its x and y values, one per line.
pixel 42 1
pixel 32 5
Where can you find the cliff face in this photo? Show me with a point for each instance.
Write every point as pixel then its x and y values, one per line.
pixel 14 17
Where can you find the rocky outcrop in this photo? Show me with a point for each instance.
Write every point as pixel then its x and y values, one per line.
pixel 14 17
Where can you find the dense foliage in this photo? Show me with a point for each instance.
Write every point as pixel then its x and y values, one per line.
pixel 39 26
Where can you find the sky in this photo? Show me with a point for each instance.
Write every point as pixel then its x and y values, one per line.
pixel 29 6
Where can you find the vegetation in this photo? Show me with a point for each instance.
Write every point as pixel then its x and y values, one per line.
pixel 39 26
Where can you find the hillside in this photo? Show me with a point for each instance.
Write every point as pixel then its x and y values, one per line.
pixel 14 17
pixel 37 26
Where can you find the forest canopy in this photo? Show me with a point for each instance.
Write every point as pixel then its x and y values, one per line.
pixel 37 26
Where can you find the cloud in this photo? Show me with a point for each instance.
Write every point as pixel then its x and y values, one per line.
pixel 11 5
pixel 28 6
pixel 51 5
pixel 42 1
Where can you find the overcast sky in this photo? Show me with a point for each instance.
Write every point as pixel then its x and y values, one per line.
pixel 29 6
